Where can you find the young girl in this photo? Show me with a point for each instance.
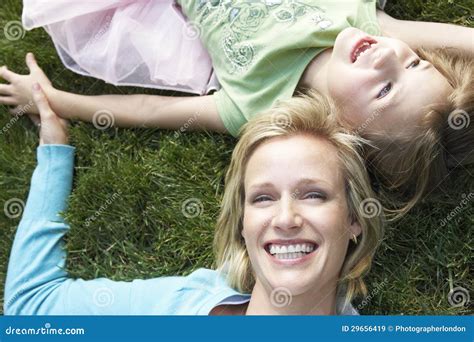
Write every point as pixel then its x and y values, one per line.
pixel 414 107
pixel 293 241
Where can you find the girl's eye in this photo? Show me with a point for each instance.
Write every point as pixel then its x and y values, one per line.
pixel 385 90
pixel 315 195
pixel 415 63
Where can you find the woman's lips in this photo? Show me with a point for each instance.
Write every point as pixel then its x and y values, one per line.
pixel 360 46
pixel 291 252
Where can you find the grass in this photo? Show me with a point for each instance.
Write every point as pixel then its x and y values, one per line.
pixel 141 178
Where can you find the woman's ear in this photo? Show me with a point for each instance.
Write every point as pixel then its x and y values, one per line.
pixel 355 227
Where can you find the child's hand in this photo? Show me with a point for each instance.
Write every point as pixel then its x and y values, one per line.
pixel 53 129
pixel 18 92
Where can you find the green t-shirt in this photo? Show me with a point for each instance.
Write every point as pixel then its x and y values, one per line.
pixel 260 49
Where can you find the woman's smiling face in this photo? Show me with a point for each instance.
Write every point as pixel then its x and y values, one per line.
pixel 295 200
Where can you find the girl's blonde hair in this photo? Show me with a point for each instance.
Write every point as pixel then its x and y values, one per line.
pixel 300 115
pixel 411 163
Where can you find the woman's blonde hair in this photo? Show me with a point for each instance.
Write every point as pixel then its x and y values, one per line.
pixel 300 115
pixel 412 163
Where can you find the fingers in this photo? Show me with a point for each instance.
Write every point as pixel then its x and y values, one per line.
pixel 6 74
pixel 5 89
pixel 42 102
pixel 21 110
pixel 8 101
pixel 35 119
pixel 31 61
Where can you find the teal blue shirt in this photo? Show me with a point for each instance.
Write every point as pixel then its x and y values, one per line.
pixel 37 283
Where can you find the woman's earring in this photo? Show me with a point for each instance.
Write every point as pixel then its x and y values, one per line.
pixel 354 238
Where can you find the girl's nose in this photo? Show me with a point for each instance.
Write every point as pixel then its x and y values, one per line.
pixel 384 57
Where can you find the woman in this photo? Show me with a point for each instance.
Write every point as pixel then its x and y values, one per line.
pixel 292 237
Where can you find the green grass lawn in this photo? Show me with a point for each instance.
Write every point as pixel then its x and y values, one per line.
pixel 139 180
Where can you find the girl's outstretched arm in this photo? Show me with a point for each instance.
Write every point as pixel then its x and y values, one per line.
pixel 166 112
pixel 427 34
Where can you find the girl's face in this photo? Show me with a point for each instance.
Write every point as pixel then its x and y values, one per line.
pixel 296 223
pixel 380 83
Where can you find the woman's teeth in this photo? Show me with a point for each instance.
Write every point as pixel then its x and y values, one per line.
pixel 291 251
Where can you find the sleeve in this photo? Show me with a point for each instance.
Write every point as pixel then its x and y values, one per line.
pixel 37 283
pixel 230 114
pixel 366 18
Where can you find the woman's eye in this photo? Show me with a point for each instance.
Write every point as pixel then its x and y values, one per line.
pixel 315 195
pixel 385 90
pixel 261 198
pixel 414 63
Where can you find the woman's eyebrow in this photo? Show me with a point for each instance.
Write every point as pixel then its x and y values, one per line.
pixel 261 185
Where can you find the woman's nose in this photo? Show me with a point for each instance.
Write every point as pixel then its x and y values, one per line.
pixel 288 216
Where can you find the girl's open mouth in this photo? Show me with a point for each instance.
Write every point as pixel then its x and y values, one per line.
pixel 361 47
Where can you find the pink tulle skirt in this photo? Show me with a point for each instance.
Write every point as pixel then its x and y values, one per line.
pixel 146 43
